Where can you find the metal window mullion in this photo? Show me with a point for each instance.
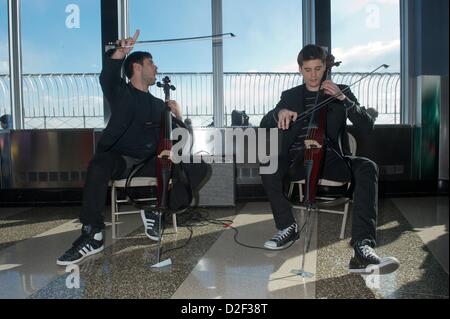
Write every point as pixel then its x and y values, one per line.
pixel 217 58
pixel 15 63
pixel 406 106
pixel 309 21
pixel 123 25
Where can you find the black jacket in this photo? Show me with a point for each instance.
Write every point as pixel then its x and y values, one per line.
pixel 336 126
pixel 135 115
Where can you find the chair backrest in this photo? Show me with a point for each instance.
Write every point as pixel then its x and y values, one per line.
pixel 352 144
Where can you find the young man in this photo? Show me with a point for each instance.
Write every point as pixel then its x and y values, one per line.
pixel 130 137
pixel 312 65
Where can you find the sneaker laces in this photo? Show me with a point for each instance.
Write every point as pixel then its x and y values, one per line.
pixel 368 252
pixel 282 234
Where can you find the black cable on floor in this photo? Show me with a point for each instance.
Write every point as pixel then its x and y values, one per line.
pixel 196 215
pixel 228 223
pixel 190 212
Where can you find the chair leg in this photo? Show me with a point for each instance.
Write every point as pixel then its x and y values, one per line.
pixel 113 211
pixel 300 192
pixel 291 189
pixel 344 221
pixel 174 222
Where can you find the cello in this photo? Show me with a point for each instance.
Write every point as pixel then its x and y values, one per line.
pixel 314 156
pixel 163 167
pixel 315 141
pixel 163 160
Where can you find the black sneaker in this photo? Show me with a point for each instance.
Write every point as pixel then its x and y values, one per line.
pixel 89 243
pixel 283 238
pixel 366 261
pixel 151 220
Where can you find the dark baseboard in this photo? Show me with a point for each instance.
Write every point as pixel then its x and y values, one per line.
pixel 40 197
pixel 386 189
pixel 73 196
pixel 407 189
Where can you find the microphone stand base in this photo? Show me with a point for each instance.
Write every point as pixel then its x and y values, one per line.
pixel 303 273
pixel 162 264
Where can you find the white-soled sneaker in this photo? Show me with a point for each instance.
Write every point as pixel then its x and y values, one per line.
pixel 89 243
pixel 366 261
pixel 283 238
pixel 151 220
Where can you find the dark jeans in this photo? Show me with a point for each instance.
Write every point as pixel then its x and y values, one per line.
pixel 103 168
pixel 365 206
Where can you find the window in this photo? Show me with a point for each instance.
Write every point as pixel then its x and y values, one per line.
pixel 261 61
pixel 61 54
pixel 366 34
pixel 188 63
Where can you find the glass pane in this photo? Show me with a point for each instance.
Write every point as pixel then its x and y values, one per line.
pixel 61 49
pixel 261 61
pixel 189 64
pixel 366 34
pixel 5 103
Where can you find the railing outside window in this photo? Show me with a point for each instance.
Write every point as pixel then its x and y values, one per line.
pixel 76 100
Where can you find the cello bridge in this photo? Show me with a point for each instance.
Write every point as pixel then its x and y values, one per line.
pixel 312 144
pixel 165 154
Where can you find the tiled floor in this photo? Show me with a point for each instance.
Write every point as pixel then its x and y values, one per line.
pixel 29 265
pixel 419 276
pixel 228 267
pixel 213 265
pixel 429 218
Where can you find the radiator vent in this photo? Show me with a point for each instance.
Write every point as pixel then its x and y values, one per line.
pixel 248 175
pixel 52 177
pixel 392 169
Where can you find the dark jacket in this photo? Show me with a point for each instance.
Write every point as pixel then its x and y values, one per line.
pixel 135 115
pixel 336 127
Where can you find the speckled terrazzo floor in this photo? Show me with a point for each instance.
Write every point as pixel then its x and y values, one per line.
pixel 419 276
pixel 18 224
pixel 123 269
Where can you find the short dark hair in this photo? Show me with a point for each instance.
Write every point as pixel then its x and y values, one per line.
pixel 312 52
pixel 135 57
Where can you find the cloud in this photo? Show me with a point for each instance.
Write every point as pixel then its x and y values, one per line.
pixel 357 57
pixel 367 51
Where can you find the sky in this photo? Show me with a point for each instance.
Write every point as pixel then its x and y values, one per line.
pixel 269 36
pixel 48 44
pixel 366 33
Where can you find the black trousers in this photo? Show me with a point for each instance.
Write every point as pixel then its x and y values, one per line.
pixel 103 168
pixel 112 166
pixel 365 206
